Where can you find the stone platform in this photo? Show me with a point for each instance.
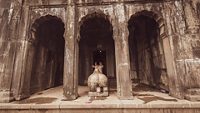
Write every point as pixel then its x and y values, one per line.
pixel 145 101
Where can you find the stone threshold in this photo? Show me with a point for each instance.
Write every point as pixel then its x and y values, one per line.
pixel 99 106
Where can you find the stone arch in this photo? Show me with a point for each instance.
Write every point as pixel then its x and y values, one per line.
pixel 38 21
pixel 92 15
pixel 105 38
pixel 22 86
pixel 160 69
pixel 158 18
pixel 47 51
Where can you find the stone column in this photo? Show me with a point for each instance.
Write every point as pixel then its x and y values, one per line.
pixel 124 84
pixel 70 60
pixel 171 47
pixel 23 60
pixel 174 82
pixel 6 57
pixel 16 78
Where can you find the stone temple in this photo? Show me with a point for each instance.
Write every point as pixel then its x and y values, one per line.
pixel 50 43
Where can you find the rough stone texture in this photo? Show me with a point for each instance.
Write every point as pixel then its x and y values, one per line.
pixel 107 111
pixel 179 36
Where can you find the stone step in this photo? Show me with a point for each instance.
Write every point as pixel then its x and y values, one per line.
pixel 103 110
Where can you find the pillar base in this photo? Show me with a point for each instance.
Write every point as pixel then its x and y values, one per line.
pixel 6 96
pixel 21 97
pixel 70 97
pixel 126 97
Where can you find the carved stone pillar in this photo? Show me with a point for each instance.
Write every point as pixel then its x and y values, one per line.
pixel 24 57
pixel 175 88
pixel 71 56
pixel 18 72
pixel 124 84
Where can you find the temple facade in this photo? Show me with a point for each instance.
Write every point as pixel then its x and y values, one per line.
pixel 48 43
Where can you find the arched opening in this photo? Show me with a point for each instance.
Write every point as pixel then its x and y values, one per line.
pixel 147 58
pixel 96 45
pixel 48 60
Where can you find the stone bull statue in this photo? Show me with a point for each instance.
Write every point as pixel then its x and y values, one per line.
pixel 98 82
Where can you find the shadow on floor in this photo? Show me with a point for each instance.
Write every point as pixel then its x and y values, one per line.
pixel 148 97
pixel 40 100
pixel 143 87
pixel 155 98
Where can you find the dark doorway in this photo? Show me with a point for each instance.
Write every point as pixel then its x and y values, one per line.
pixel 48 61
pixel 96 45
pixel 99 56
pixel 146 52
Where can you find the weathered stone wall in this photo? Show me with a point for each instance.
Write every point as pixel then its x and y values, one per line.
pixel 46 2
pixel 175 27
pixel 48 47
pixel 115 12
pixel 40 71
pixel 179 32
pixel 92 2
pixel 186 47
pixel 151 59
pixel 4 12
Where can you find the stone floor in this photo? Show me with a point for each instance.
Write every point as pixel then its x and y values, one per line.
pixel 144 97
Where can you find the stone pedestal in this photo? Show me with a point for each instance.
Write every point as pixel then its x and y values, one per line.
pixel 100 92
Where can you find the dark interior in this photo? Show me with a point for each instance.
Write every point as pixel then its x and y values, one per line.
pixel 48 61
pixel 96 45
pixel 146 52
pixel 100 56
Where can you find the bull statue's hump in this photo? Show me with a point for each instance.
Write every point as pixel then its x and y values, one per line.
pixel 97 81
